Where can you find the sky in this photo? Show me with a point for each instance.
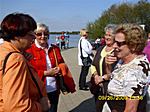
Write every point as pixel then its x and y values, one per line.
pixel 60 15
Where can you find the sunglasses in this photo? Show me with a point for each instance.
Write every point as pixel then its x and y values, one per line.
pixel 119 44
pixel 42 33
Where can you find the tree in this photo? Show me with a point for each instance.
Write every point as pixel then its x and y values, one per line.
pixel 124 13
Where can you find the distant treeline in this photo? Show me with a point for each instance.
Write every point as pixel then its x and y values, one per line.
pixel 73 32
pixel 121 13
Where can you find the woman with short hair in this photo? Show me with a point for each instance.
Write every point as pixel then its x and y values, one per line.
pixel 21 90
pixel 127 88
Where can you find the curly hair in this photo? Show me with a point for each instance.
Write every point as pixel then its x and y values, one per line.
pixel 134 36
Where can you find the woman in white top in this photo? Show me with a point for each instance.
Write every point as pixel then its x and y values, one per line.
pixel 84 51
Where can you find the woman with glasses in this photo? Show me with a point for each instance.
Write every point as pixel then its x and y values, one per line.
pixel 98 70
pixel 129 82
pixel 21 90
pixel 44 62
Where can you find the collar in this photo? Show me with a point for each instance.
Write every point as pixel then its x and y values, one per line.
pixel 38 46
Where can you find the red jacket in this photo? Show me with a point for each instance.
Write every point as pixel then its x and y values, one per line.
pixel 39 63
pixel 39 59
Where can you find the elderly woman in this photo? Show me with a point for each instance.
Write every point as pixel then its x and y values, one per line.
pixel 21 90
pixel 128 85
pixel 98 70
pixel 41 51
pixel 46 60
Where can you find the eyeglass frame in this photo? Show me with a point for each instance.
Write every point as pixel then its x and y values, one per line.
pixel 42 33
pixel 119 44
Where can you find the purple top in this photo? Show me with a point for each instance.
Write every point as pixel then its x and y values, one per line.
pixel 147 50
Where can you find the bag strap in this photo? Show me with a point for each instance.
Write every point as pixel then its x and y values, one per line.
pixel 5 61
pixel 33 78
pixel 55 57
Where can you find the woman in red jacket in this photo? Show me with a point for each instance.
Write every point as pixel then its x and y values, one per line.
pixel 45 64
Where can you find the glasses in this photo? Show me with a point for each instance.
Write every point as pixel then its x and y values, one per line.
pixel 119 44
pixel 42 33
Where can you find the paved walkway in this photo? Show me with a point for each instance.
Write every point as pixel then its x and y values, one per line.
pixel 80 101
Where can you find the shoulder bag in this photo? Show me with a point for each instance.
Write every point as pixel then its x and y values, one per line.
pixel 60 78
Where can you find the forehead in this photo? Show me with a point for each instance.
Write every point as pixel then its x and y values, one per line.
pixel 109 31
pixel 119 36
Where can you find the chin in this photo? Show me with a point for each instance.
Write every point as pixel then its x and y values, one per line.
pixel 43 42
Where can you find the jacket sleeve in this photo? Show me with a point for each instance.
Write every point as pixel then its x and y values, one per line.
pixel 16 90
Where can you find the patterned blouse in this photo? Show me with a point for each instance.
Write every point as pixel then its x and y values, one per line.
pixel 130 79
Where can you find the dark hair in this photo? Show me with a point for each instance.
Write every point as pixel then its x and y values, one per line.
pixel 17 24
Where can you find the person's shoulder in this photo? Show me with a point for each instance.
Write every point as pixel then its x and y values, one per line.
pixel 15 57
pixel 54 46
pixel 100 47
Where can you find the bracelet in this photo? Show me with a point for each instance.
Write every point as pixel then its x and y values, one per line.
pixel 103 78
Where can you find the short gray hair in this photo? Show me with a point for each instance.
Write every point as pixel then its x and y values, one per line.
pixel 42 26
pixel 110 27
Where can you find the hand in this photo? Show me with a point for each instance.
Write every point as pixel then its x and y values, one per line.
pixel 110 59
pixel 97 79
pixel 52 71
pixel 107 76
pixel 45 104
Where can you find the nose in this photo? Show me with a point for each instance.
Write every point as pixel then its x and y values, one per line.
pixel 115 45
pixel 43 35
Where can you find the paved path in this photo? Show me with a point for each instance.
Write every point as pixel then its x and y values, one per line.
pixel 81 101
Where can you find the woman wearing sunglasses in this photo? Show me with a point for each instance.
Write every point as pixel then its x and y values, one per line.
pixel 48 62
pixel 127 88
pixel 44 63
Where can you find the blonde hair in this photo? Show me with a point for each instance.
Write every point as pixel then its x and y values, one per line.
pixel 83 32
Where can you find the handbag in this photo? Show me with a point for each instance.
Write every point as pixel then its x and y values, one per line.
pixel 60 78
pixel 86 61
pixel 98 89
